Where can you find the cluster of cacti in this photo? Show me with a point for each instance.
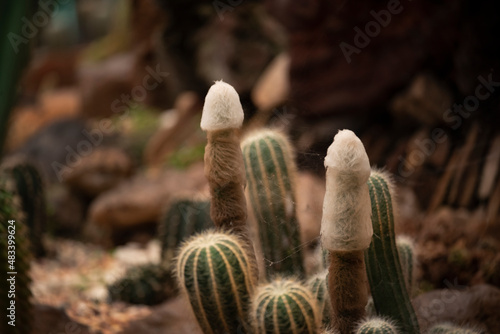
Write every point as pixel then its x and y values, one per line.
pixel 447 328
pixel 30 188
pixel 387 282
pixel 319 288
pixel 147 284
pixel 184 218
pixel 284 306
pixel 216 272
pixel 376 326
pixel 15 258
pixel 270 171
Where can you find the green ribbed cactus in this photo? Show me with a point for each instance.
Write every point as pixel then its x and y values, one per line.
pixel 184 218
pixel 319 288
pixel 284 306
pixel 14 258
pixel 148 284
pixel 383 267
pixel 218 275
pixel 447 328
pixel 270 171
pixel 376 326
pixel 31 190
pixel 406 251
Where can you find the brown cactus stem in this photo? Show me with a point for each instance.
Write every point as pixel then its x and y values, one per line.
pixel 225 172
pixel 348 289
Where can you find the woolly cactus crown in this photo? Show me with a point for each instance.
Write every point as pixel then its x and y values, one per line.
pixel 222 108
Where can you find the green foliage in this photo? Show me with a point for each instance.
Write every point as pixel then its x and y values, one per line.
pixel 215 271
pixel 14 238
pixel 148 284
pixel 186 156
pixel 284 306
pixel 387 282
pixel 270 171
pixel 183 219
pixel 319 288
pixel 376 326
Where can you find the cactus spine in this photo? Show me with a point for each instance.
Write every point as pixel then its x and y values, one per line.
pixel 270 171
pixel 346 229
pixel 15 257
pixel 216 272
pixel 447 328
pixel 183 219
pixel 387 281
pixel 284 306
pixel 376 326
pixel 406 251
pixel 319 288
pixel 148 284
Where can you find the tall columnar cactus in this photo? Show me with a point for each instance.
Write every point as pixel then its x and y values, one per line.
pixel 346 229
pixel 319 288
pixel 377 326
pixel 31 190
pixel 184 218
pixel 447 328
pixel 216 272
pixel 270 170
pixel 222 117
pixel 386 278
pixel 15 263
pixel 284 306
pixel 147 284
pixel 406 251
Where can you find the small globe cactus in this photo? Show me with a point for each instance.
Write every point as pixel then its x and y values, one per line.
pixel 319 288
pixel 284 306
pixel 447 328
pixel 215 271
pixel 376 326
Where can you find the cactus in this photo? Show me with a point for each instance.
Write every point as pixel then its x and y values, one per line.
pixel 148 284
pixel 406 251
pixel 319 288
pixel 30 188
pixel 15 258
pixel 370 308
pixel 221 118
pixel 270 171
pixel 376 326
pixel 387 281
pixel 183 219
pixel 447 328
pixel 216 272
pixel 284 306
pixel 346 229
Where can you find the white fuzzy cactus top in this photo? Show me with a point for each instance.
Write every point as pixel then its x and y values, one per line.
pixel 222 108
pixel 346 223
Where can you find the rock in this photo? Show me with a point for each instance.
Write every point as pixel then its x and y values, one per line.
pixel 176 126
pixel 273 86
pixel 50 107
pixel 172 317
pixel 477 306
pixel 141 199
pixel 66 210
pixel 99 171
pixel 425 100
pixel 50 320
